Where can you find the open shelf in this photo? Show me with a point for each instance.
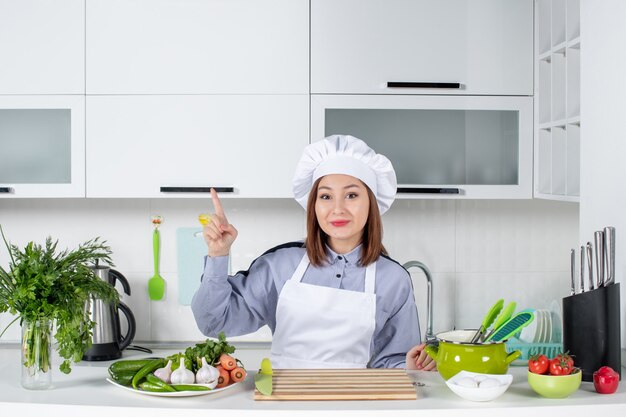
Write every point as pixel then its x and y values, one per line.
pixel 557 99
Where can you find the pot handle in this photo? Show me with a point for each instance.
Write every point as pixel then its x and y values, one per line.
pixel 432 351
pixel 130 334
pixel 512 356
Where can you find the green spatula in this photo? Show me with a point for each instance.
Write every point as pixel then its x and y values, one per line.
pixel 156 284
pixel 512 326
pixel 489 318
pixel 506 314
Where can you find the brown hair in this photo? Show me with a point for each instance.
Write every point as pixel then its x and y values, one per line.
pixel 317 239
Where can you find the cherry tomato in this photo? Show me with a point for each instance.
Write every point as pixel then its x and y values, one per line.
pixel 562 364
pixel 538 364
pixel 605 380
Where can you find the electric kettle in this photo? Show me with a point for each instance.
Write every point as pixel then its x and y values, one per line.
pixel 107 340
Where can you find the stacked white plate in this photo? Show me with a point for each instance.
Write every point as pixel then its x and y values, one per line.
pixel 541 328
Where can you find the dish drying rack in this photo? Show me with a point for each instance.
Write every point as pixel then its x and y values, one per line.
pixel 530 349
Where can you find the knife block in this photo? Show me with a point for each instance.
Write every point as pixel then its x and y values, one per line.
pixel 591 329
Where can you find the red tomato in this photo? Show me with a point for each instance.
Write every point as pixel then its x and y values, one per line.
pixel 538 364
pixel 562 364
pixel 605 380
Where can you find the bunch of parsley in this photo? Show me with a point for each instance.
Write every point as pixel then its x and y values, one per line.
pixel 41 284
pixel 211 350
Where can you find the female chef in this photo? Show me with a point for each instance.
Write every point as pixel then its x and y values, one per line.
pixel 335 300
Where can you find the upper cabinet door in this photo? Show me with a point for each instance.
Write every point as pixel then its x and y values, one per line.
pixel 484 46
pixel 42 47
pixel 153 146
pixel 198 46
pixel 42 146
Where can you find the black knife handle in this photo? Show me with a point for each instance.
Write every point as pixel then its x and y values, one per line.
pixel 421 190
pixel 406 84
pixel 196 189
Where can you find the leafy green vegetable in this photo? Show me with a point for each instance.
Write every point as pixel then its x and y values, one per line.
pixel 41 283
pixel 210 349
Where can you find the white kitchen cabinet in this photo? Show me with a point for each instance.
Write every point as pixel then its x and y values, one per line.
pixel 557 93
pixel 197 46
pixel 359 46
pixel 42 146
pixel 441 146
pixel 42 47
pixel 139 144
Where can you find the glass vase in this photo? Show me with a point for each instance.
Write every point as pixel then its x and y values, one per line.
pixel 36 354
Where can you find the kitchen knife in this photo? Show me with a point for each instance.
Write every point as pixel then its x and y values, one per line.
pixel 582 269
pixel 573 271
pixel 590 265
pixel 599 240
pixel 609 247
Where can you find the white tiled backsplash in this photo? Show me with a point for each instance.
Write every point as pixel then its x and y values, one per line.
pixel 477 250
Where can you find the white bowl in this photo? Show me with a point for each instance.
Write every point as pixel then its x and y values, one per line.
pixel 478 393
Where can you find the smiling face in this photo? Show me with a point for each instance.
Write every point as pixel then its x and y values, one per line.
pixel 341 207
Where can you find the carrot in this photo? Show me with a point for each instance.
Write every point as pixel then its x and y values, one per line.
pixel 238 374
pixel 228 362
pixel 224 378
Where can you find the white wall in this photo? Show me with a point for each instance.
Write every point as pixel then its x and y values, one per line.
pixel 477 250
pixel 603 138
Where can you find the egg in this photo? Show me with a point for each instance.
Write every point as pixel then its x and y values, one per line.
pixel 489 383
pixel 467 382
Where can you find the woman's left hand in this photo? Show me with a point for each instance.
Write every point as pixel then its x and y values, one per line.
pixel 418 360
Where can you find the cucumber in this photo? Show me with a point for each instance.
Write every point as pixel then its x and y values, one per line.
pixel 130 365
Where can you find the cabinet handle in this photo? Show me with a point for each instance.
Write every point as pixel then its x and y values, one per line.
pixel 404 84
pixel 6 190
pixel 418 190
pixel 196 189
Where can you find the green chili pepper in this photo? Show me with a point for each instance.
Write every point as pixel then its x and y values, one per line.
pixel 147 386
pixel 151 378
pixel 146 369
pixel 187 387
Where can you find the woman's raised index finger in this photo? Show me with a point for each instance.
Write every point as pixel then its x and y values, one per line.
pixel 217 204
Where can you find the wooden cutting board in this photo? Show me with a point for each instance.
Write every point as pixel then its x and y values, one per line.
pixel 339 384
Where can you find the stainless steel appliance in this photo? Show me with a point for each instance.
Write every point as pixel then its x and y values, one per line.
pixel 107 340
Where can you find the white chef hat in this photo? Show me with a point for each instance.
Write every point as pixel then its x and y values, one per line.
pixel 343 154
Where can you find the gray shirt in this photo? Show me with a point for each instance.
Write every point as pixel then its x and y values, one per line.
pixel 244 302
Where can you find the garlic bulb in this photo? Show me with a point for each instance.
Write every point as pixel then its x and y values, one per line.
pixel 182 375
pixel 207 374
pixel 165 373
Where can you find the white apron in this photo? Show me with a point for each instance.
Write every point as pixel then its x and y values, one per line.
pixel 322 327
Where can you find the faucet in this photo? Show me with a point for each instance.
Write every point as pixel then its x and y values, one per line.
pixel 429 300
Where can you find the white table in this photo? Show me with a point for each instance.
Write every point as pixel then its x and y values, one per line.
pixel 85 392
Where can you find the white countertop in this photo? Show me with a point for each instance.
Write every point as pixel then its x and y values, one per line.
pixel 86 392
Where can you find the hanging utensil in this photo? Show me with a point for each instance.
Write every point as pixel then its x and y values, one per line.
pixel 489 318
pixel 609 246
pixel 156 284
pixel 506 314
pixel 512 326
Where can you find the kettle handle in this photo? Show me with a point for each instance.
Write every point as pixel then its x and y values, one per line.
pixel 130 334
pixel 115 275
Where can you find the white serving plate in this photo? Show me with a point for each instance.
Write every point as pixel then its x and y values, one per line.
pixel 173 394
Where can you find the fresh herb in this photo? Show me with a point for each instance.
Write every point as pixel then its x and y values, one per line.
pixel 41 284
pixel 210 350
